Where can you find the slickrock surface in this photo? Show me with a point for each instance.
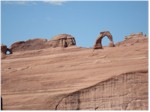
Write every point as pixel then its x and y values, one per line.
pixel 72 78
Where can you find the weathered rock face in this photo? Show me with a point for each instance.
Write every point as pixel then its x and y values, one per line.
pixel 127 91
pixel 62 40
pixel 133 39
pixel 98 43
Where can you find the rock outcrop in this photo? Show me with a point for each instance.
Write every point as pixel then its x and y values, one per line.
pixel 31 44
pixel 98 43
pixel 4 51
pixel 127 91
pixel 133 39
pixel 62 40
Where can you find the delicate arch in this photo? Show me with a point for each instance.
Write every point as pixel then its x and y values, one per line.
pixel 98 43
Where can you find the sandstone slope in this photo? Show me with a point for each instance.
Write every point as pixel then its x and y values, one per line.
pixel 74 78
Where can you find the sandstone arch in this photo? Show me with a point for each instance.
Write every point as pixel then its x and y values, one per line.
pixel 4 49
pixel 98 43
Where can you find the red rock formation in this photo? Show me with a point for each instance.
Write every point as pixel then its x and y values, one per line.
pixel 132 39
pixel 98 43
pixel 4 49
pixel 62 40
pixel 17 45
pixel 31 44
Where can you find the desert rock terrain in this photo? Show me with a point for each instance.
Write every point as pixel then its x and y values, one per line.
pixel 76 78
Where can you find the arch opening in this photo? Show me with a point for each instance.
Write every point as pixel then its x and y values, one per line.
pixel 105 41
pixel 8 52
